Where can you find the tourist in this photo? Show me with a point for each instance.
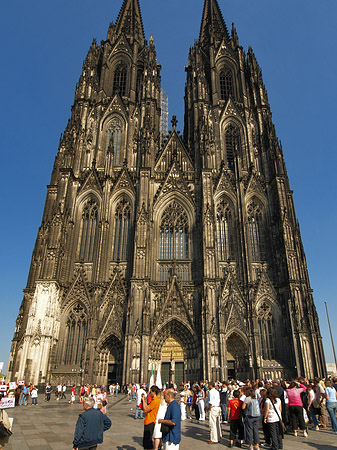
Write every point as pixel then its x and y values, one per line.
pixel 59 391
pixel 201 403
pixel 90 426
pixel 312 411
pixel 295 404
pixel 272 417
pixel 72 395
pixel 331 404
pixel 214 414
pixel 252 419
pixel 64 389
pixel 33 394
pixel 157 434
pixel 24 396
pixel 48 392
pixel 183 400
pixel 195 406
pixel 139 409
pixel 172 419
pixel 151 411
pixel 116 389
pixel 234 410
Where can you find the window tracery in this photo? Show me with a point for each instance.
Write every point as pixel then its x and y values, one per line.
pixel 76 330
pixel 119 82
pixel 174 233
pixel 226 84
pixel 89 229
pixel 114 141
pixel 232 142
pixel 122 230
pixel 255 228
pixel 224 223
pixel 265 324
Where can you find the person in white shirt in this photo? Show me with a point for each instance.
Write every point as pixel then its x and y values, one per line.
pixel 214 414
pixel 272 417
pixel 139 410
pixel 59 391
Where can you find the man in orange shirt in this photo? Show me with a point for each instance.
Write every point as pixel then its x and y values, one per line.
pixel 151 411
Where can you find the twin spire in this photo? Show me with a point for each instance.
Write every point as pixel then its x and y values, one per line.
pixel 130 21
pixel 213 26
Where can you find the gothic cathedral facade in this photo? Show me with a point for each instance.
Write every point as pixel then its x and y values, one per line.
pixel 176 250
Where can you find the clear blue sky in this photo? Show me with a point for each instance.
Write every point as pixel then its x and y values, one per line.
pixel 43 46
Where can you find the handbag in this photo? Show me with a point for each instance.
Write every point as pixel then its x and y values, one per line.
pixel 165 429
pixel 104 403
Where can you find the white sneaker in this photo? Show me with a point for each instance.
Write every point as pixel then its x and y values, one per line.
pixel 305 434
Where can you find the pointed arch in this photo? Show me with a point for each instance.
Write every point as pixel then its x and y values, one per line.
pixel 174 233
pixel 255 218
pixel 76 325
pixel 232 144
pixel 88 230
pixel 122 226
pixel 266 326
pixel 225 229
pixel 226 83
pixel 120 79
pixel 113 142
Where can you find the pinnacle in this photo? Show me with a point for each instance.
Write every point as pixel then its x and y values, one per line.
pixel 213 24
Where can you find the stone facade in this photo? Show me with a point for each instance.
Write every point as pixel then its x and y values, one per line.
pixel 177 249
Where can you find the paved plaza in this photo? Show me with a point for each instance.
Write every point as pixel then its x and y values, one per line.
pixel 50 426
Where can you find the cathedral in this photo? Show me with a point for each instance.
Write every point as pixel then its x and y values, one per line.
pixel 161 249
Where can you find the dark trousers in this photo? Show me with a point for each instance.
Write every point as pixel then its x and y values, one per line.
pixel 235 426
pixel 296 417
pixel 252 430
pixel 275 434
pixel 196 410
pixel 266 432
pixel 147 437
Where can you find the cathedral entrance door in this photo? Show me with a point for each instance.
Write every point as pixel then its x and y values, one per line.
pixel 172 362
pixel 237 357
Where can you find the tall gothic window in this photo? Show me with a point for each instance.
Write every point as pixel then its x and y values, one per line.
pixel 76 331
pixel 265 323
pixel 174 233
pixel 119 83
pixel 122 230
pixel 89 229
pixel 254 228
pixel 232 140
pixel 114 141
pixel 226 84
pixel 224 222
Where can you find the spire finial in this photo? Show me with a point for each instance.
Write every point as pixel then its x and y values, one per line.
pixel 174 121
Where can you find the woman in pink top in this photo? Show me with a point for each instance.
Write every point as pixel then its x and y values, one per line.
pixel 296 407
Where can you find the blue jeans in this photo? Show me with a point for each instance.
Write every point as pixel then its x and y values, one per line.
pixel 224 412
pixel 332 408
pixel 23 400
pixel 34 400
pixel 140 411
pixel 312 416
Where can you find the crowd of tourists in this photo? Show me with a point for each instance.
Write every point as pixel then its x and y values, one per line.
pixel 274 408
pixel 252 409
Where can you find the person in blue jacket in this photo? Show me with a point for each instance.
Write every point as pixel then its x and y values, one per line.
pixel 90 427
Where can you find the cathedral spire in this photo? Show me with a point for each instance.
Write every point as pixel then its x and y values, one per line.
pixel 130 21
pixel 213 27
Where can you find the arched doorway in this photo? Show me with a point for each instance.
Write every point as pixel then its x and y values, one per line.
pixel 237 351
pixel 109 362
pixel 175 347
pixel 172 362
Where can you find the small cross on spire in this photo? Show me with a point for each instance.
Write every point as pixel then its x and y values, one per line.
pixel 174 121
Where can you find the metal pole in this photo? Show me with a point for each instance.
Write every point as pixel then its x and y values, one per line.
pixel 333 345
